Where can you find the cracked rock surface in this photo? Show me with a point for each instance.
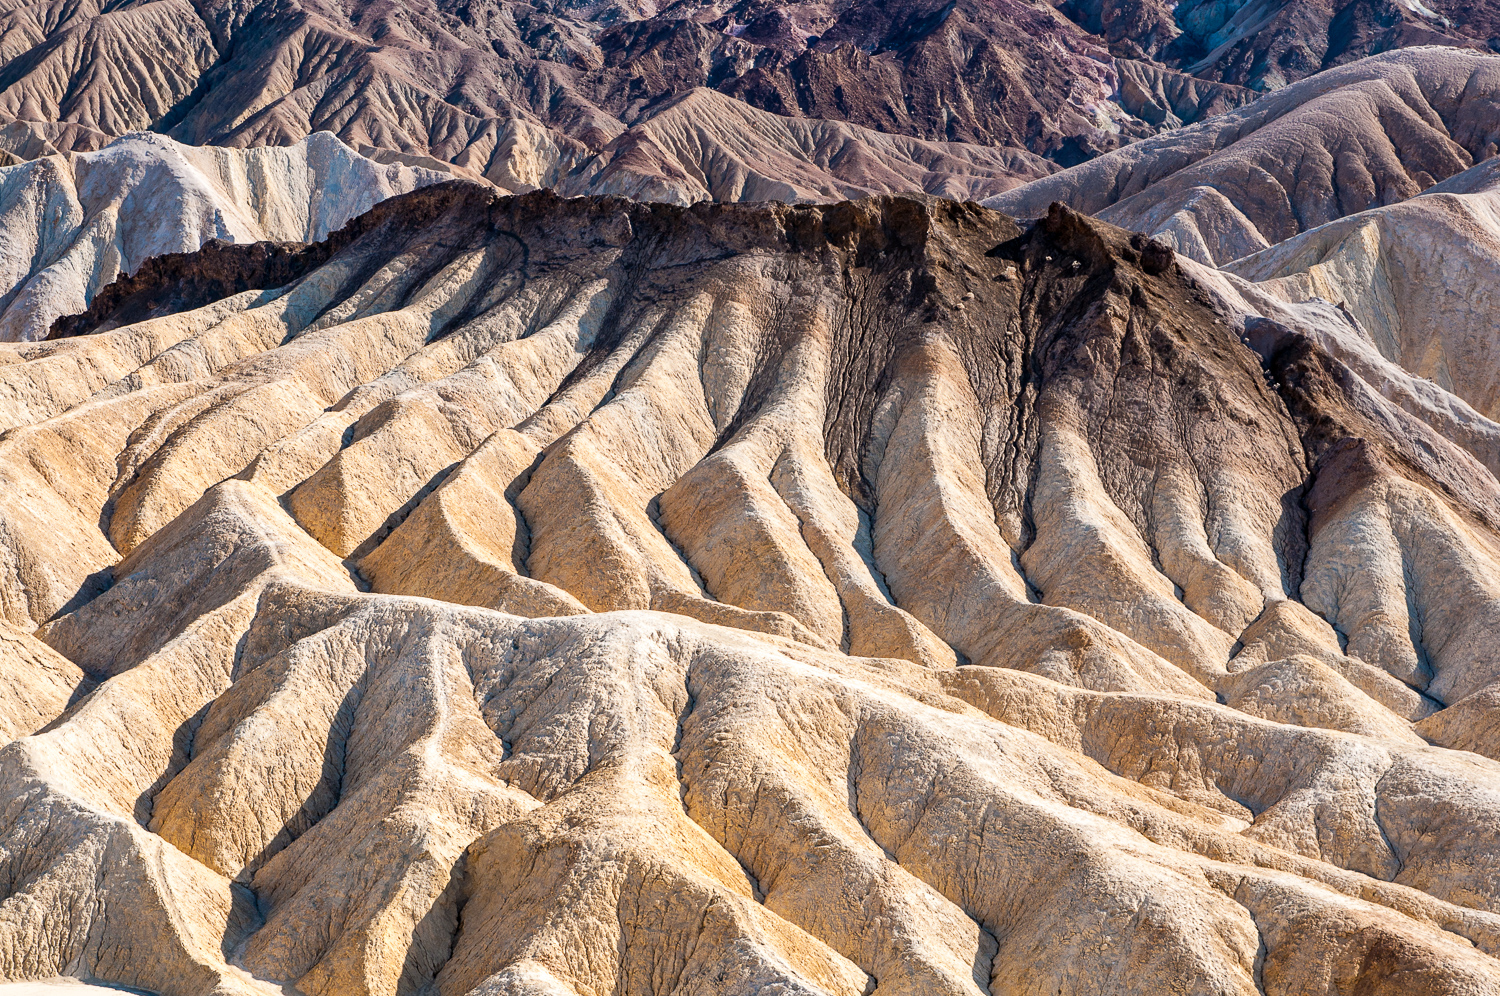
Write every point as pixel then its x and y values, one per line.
pixel 541 596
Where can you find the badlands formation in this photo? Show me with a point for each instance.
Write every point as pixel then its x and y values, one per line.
pixel 526 595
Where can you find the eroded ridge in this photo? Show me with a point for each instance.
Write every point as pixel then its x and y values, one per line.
pixel 578 596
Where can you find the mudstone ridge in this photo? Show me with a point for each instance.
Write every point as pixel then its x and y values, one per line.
pixel 540 595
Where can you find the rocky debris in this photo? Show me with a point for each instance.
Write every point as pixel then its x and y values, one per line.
pixel 1356 137
pixel 562 596
pixel 74 223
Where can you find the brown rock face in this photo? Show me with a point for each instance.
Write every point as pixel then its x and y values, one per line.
pixel 576 596
pixel 527 95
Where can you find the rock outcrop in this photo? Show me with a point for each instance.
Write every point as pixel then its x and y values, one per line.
pixel 567 596
pixel 74 223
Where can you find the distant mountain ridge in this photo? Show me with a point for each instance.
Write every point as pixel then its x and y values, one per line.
pixel 526 94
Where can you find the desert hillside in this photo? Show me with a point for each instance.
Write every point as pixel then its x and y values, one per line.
pixel 520 595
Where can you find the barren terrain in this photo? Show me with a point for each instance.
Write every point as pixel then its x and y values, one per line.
pixel 525 595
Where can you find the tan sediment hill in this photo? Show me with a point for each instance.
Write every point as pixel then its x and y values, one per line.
pixel 1417 279
pixel 1360 136
pixel 73 223
pixel 706 146
pixel 574 596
